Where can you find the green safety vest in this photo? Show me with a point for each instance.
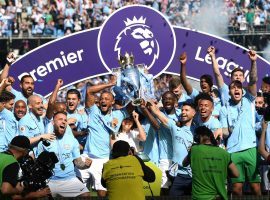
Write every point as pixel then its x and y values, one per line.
pixel 5 160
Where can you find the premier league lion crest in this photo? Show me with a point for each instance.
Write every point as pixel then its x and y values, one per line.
pixel 140 38
pixel 140 30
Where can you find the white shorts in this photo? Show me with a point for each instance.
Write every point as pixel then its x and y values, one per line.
pixel 164 165
pixel 96 171
pixel 67 188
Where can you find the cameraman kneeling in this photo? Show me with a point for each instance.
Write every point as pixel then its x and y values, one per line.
pixel 123 175
pixel 9 168
pixel 209 164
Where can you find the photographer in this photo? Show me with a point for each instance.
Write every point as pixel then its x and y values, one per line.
pixel 9 166
pixel 209 164
pixel 123 175
pixel 10 187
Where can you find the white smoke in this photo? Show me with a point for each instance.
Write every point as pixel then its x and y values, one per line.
pixel 213 18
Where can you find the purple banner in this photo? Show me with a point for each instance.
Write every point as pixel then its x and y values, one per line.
pixel 229 56
pixel 139 30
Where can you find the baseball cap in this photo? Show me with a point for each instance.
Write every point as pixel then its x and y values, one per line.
pixel 21 141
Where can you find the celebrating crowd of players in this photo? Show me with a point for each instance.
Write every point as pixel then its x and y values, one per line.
pixel 82 137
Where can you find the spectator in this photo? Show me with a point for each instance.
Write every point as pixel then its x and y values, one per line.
pixel 77 25
pixel 53 12
pixel 129 134
pixel 257 20
pixel 19 7
pixel 11 10
pixel 250 19
pixel 68 24
pixel 50 29
pixel 60 4
pixel 15 29
pixel 39 27
pixel 69 10
pixel 60 23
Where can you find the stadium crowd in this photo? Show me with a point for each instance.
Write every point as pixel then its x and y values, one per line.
pixel 82 124
pixel 61 17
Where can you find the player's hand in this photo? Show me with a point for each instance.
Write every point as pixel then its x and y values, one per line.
pixel 183 58
pixel 113 80
pixel 60 82
pixel 11 58
pixel 211 51
pixel 71 120
pixel 49 136
pixel 44 192
pixel 88 162
pixel 218 133
pixel 252 55
pixel 114 122
pixel 135 116
pixel 5 82
pixel 143 104
pixel 19 188
pixel 154 108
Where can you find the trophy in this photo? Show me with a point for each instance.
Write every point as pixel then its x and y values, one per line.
pixel 132 81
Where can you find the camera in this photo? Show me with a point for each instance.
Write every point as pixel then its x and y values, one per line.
pixel 35 173
pixel 45 142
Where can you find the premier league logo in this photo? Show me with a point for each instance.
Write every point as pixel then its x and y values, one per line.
pixel 140 38
pixel 139 30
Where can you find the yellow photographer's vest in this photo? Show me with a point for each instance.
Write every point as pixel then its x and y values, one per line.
pixel 124 178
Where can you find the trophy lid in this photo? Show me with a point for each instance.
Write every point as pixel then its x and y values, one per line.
pixel 126 60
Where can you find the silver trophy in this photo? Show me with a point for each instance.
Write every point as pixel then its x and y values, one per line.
pixel 128 87
pixel 134 83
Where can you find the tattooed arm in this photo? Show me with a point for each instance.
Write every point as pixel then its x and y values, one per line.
pixel 253 77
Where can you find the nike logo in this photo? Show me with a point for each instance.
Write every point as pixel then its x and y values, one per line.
pixel 81 189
